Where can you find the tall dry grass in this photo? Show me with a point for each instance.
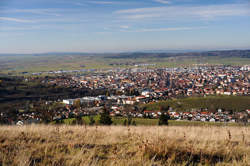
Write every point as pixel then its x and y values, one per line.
pixel 117 145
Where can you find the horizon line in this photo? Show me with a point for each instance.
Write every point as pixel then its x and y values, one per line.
pixel 135 51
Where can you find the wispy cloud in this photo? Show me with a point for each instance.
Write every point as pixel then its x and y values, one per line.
pixel 79 4
pixel 15 20
pixel 124 27
pixel 49 11
pixel 85 3
pixel 183 12
pixel 165 29
pixel 103 2
pixel 163 1
pixel 22 28
pixel 4 34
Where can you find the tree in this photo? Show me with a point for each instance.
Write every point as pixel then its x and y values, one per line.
pixel 59 121
pixel 79 120
pixel 245 119
pixel 125 122
pixel 91 121
pixel 2 121
pixel 105 118
pixel 73 122
pixel 164 117
pixel 129 120
pixel 46 114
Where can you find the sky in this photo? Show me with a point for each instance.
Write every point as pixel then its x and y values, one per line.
pixel 40 26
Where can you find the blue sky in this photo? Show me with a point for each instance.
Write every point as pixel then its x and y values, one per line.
pixel 36 26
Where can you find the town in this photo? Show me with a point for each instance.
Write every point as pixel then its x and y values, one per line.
pixel 128 88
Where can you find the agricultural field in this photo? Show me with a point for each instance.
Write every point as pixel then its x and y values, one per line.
pixel 117 145
pixel 17 64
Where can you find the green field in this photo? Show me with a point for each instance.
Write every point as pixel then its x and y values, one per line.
pixel 212 103
pixel 30 63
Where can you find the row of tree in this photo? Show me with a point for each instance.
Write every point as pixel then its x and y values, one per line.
pixel 105 118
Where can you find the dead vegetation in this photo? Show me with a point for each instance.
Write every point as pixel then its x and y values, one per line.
pixel 117 145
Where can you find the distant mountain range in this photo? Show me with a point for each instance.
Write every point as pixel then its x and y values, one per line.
pixel 53 54
pixel 149 54
pixel 225 53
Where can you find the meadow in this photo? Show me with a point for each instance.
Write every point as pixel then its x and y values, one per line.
pixel 54 145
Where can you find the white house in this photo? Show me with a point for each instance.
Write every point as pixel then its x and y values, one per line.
pixel 69 101
pixel 145 93
pixel 131 102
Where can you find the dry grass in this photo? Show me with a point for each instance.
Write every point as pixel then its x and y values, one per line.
pixel 117 145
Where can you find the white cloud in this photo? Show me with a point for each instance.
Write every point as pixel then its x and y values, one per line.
pixel 185 12
pixel 172 29
pixel 15 20
pixel 163 1
pixel 166 29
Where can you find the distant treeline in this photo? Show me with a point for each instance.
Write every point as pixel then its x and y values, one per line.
pixel 227 53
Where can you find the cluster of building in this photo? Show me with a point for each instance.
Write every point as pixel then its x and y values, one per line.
pixel 151 85
pixel 61 71
pixel 167 82
pixel 129 87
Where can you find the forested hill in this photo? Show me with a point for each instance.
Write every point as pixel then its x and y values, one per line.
pixel 226 53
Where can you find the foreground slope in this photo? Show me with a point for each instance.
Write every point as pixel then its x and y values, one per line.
pixel 117 145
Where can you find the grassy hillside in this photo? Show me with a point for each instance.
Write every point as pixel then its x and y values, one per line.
pixel 79 145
